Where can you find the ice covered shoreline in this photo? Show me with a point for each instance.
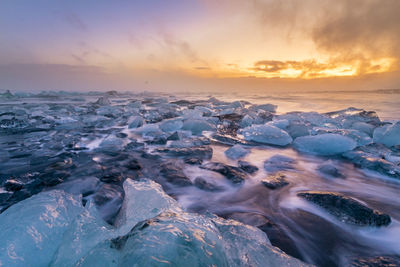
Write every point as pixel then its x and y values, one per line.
pixel 89 147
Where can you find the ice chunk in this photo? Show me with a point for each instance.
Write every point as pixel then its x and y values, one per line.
pixel 200 141
pixel 135 122
pixel 246 121
pixel 171 125
pixel 361 138
pixel 193 113
pixel 226 111
pixel 363 127
pixel 313 118
pixel 262 117
pixel 347 117
pixel 110 143
pixel 299 128
pixel 265 107
pixel 54 229
pixel 143 200
pixel 376 157
pixel 85 232
pixel 198 126
pixel 206 111
pixel 324 144
pixel 103 101
pixel 183 239
pixel 282 124
pixel 388 135
pixel 267 134
pixel 236 152
pixel 135 104
pixel 32 229
pixel 148 129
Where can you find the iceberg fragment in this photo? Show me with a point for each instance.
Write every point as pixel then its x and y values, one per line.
pixel 32 229
pixel 136 122
pixel 236 151
pixel 171 125
pixel 388 135
pixel 324 144
pixel 267 134
pixel 198 126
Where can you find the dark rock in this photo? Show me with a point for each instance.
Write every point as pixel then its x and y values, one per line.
pixel 346 209
pixel 247 167
pixel 121 135
pixel 193 161
pixel 173 173
pixel 228 140
pixel 233 174
pixel 113 177
pixel 381 261
pixel 109 200
pixel 278 238
pixel 329 169
pixel 159 140
pixel 133 164
pixel 202 184
pixel 279 163
pixel 275 233
pixel 231 117
pixel 275 181
pixel 183 103
pixel 134 145
pixel 202 152
pixel 173 137
pixel 4 197
pixel 54 177
pixel 13 185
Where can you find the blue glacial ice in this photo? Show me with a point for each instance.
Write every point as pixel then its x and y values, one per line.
pixel 32 230
pixel 135 122
pixel 56 230
pixel 171 125
pixel 388 135
pixel 267 134
pixel 197 126
pixel 324 144
pixel 236 152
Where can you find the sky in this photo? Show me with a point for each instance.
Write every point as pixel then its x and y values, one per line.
pixel 199 45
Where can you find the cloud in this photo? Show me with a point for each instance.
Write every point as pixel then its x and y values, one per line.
pixel 75 21
pixel 359 27
pixel 298 69
pixel 175 44
pixel 202 68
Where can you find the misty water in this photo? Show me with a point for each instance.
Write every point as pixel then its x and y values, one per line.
pixel 88 144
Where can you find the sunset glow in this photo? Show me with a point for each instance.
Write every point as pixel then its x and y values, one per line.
pixel 200 39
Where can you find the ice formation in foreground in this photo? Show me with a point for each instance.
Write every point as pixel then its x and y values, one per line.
pixel 54 229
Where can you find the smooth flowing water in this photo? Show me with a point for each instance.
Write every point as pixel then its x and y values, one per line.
pixel 300 228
